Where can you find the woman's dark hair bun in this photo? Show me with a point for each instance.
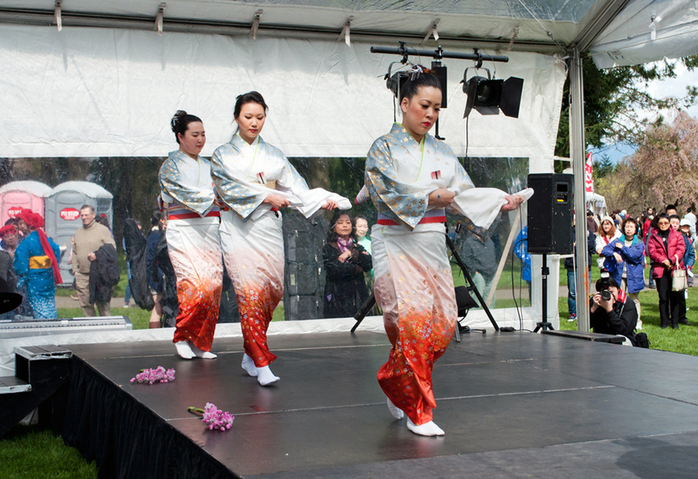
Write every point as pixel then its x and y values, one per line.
pixel 176 119
pixel 180 122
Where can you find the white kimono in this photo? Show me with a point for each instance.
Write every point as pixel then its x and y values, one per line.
pixel 251 235
pixel 413 281
pixel 193 245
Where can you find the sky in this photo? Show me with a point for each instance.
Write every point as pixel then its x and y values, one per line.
pixel 658 89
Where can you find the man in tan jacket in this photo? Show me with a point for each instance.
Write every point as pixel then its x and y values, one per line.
pixel 86 241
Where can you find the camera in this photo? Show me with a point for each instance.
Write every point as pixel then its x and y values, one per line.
pixel 603 285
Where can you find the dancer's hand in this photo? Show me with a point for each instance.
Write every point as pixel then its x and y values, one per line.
pixel 329 205
pixel 441 198
pixel 276 201
pixel 513 202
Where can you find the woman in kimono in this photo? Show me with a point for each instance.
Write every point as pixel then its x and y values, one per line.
pixel 192 238
pixel 255 180
pixel 412 178
pixel 36 267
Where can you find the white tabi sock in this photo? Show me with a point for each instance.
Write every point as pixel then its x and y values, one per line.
pixel 266 377
pixel 394 410
pixel 184 350
pixel 248 365
pixel 427 429
pixel 200 353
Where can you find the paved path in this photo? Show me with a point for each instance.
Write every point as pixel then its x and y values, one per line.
pixel 72 302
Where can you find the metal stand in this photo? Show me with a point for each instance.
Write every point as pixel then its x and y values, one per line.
pixel 363 310
pixel 469 280
pixel 544 324
pixel 371 300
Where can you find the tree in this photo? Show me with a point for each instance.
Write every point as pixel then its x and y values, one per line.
pixel 663 170
pixel 603 167
pixel 611 101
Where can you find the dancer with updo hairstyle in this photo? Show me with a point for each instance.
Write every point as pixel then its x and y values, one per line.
pixel 412 178
pixel 193 240
pixel 255 180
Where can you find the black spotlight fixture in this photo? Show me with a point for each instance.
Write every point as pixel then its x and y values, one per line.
pixel 488 96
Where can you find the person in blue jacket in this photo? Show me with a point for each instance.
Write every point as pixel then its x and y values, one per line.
pixel 36 266
pixel 626 261
pixel 689 259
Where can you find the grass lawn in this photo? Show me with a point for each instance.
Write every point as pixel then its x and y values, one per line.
pixel 29 453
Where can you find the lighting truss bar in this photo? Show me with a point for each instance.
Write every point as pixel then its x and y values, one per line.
pixel 437 54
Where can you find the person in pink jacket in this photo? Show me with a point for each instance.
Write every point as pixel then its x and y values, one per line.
pixel 666 248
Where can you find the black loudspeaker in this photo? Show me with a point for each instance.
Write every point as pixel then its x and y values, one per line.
pixel 550 214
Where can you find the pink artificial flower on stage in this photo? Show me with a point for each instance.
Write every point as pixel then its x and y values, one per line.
pixel 214 417
pixel 152 376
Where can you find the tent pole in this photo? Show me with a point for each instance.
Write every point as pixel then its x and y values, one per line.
pixel 577 150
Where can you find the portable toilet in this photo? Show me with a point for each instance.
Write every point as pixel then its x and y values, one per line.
pixel 19 195
pixel 63 205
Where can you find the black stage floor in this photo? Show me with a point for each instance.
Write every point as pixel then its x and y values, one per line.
pixel 511 404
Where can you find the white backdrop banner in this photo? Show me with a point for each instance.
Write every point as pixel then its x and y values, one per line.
pixel 88 92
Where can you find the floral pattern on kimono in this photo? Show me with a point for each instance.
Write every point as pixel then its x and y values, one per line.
pixel 413 281
pixel 251 236
pixel 193 246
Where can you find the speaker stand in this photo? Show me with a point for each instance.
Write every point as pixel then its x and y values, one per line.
pixel 544 324
pixel 470 282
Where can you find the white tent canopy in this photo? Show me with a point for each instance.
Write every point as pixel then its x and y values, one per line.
pixel 596 203
pixel 646 31
pixel 80 92
pixel 110 87
pixel 533 23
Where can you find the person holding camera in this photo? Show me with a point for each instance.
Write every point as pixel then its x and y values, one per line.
pixel 611 311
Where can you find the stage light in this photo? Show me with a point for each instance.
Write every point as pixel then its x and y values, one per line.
pixel 395 81
pixel 489 96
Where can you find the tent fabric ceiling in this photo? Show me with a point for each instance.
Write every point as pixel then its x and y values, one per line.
pixel 541 22
pixel 629 39
pixel 535 25
pixel 556 10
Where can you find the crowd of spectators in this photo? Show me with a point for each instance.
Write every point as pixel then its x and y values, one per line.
pixel 662 242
